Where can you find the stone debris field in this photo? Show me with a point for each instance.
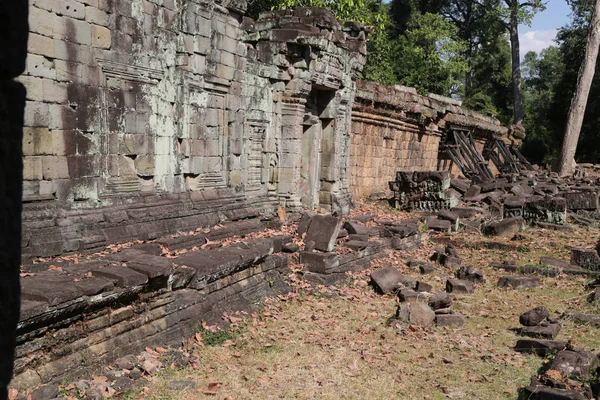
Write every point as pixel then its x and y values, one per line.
pixel 477 278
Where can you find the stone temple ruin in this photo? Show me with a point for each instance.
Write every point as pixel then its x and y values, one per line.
pixel 180 123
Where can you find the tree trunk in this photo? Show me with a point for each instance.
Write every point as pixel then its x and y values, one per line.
pixel 579 101
pixel 516 65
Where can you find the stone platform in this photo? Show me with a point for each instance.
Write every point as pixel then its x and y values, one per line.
pixel 86 310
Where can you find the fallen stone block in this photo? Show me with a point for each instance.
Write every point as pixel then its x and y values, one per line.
pixel 454 219
pixel 546 209
pixel 323 231
pixel 449 261
pixel 553 227
pixel 460 185
pixel 534 317
pixel 542 392
pixel 408 295
pixel 406 243
pixel 450 320
pixel 360 238
pixel 581 200
pixel 304 223
pixel 355 228
pixel 518 282
pixel 290 248
pixel 549 331
pixel 459 286
pixel 423 287
pixel 541 347
pixel 426 269
pixel 45 392
pixel 387 278
pixel 576 364
pixel 585 258
pixel 468 212
pixel 554 262
pixel 470 274
pixel 440 301
pixel 581 318
pixel 416 313
pixel 321 263
pixel 508 227
pixel 439 225
pixel 356 245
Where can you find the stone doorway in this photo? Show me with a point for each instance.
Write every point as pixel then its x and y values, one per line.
pixel 318 127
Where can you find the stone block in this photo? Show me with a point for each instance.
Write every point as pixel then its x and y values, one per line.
pixel 55 167
pixel 450 320
pixel 96 16
pixel 417 313
pixel 53 288
pixel 459 286
pixel 439 225
pixel 121 275
pixel 470 274
pixel 440 301
pixel 576 364
pixel 581 200
pixel 41 45
pixel 518 282
pixel 541 347
pixel 74 30
pixel 322 263
pixel 534 317
pixel 585 258
pixel 387 278
pixel 323 231
pixel 100 37
pixel 547 331
pixel 40 66
pixel 356 228
pixel 508 227
pixel 542 392
pixel 407 294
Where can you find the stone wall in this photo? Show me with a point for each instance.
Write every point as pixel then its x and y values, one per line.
pixel 395 129
pixel 148 117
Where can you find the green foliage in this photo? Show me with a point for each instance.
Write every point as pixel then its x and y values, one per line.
pixel 428 55
pixel 541 76
pixel 218 337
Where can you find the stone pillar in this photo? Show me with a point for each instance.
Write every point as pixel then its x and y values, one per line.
pixel 290 150
pixel 13 42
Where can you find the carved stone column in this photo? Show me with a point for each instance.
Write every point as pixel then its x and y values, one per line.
pixel 290 151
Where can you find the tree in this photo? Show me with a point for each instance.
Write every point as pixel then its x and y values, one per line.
pixel 579 102
pixel 541 77
pixel 513 12
pixel 428 55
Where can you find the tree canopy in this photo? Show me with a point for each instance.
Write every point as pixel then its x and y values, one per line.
pixel 469 49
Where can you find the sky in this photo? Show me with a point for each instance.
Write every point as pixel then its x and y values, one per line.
pixel 544 26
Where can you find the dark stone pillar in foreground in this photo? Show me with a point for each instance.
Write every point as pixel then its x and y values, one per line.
pixel 13 44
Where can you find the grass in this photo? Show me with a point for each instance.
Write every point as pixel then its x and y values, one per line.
pixel 339 344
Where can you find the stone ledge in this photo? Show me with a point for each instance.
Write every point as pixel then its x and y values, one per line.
pixel 80 314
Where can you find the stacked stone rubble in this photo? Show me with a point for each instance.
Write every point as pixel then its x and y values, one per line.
pixel 423 191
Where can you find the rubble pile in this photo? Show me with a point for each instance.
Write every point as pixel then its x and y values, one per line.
pixel 535 197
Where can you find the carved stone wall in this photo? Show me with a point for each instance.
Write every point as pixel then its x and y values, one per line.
pixel 147 117
pixel 395 129
pixel 306 62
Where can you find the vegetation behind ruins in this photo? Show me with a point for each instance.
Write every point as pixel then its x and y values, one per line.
pixel 461 48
